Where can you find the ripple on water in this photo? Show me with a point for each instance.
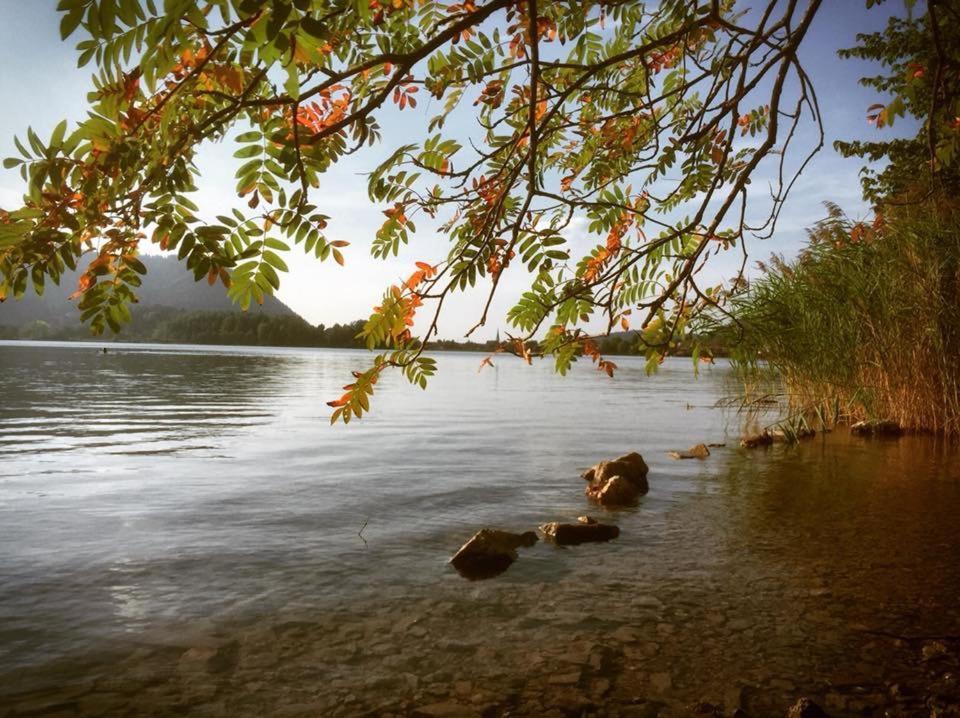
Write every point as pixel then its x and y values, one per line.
pixel 183 525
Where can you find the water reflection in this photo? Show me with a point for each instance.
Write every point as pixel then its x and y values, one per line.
pixel 131 400
pixel 239 585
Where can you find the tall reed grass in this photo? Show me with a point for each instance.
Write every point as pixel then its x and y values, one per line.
pixel 865 323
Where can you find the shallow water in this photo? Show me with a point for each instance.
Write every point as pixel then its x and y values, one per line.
pixel 180 531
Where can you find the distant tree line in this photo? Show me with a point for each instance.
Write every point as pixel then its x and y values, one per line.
pixel 205 327
pixel 167 325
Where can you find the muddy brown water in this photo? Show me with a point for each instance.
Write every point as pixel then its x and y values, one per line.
pixel 179 536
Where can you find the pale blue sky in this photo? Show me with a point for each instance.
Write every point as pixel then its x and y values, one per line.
pixel 40 84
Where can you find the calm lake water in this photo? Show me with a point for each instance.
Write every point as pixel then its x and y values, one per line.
pixel 180 534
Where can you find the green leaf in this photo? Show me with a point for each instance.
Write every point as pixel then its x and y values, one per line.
pixel 70 22
pixel 274 260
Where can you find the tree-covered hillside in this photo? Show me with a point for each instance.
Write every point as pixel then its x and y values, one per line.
pixel 165 285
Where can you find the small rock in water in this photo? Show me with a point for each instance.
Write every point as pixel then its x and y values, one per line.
pixel 764 438
pixel 876 428
pixel 933 649
pixel 700 451
pixel 806 708
pixel 628 476
pixel 781 437
pixel 703 708
pixel 443 710
pixel 573 534
pixel 490 552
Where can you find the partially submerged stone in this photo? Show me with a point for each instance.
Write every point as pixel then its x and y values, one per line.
pixel 619 482
pixel 616 491
pixel 933 649
pixel 578 533
pixel 806 708
pixel 780 436
pixel 700 451
pixel 489 552
pixel 764 438
pixel 876 428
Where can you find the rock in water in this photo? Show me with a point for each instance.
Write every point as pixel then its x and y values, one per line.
pixel 573 534
pixel 490 552
pixel 764 438
pixel 876 428
pixel 617 491
pixel 806 708
pixel 631 472
pixel 700 451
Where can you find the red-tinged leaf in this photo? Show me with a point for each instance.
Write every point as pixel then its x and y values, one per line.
pixel 86 281
pixel 340 243
pixel 338 257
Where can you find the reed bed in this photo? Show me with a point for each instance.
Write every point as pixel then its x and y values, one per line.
pixel 864 324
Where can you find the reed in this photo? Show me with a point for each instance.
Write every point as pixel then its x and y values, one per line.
pixel 864 324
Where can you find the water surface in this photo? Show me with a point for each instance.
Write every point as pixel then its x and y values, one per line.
pixel 180 529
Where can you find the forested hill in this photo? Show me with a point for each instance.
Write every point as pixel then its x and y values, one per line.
pixel 166 284
pixel 172 308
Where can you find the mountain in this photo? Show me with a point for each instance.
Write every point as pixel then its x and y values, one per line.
pixel 166 285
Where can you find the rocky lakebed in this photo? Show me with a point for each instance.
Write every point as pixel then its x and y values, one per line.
pixel 795 594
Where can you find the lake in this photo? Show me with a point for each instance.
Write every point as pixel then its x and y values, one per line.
pixel 183 532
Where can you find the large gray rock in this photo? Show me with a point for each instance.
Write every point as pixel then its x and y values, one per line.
pixel 573 534
pixel 489 552
pixel 619 482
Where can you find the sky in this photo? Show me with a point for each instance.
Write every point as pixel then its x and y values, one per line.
pixel 40 85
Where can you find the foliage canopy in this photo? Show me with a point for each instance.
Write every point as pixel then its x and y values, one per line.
pixel 646 120
pixel 920 54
